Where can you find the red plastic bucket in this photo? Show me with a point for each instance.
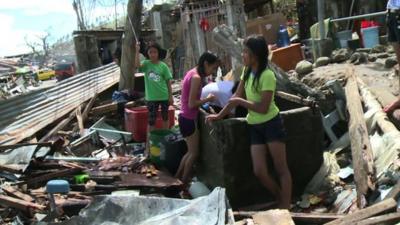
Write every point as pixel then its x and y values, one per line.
pixel 136 121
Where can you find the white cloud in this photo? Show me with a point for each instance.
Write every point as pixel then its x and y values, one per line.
pixel 38 7
pixel 12 41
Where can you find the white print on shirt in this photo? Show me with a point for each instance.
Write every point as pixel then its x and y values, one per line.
pixel 154 76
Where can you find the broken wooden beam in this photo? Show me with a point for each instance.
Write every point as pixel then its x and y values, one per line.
pixel 296 99
pixel 112 107
pixel 60 126
pixel 10 169
pixel 384 219
pixel 19 204
pixel 383 159
pixel 50 176
pixel 85 114
pixel 395 192
pixel 368 212
pixel 89 107
pixel 363 160
pixel 308 218
pixel 14 192
pixel 78 114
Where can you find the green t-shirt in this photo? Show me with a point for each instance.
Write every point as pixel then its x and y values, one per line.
pixel 156 78
pixel 267 82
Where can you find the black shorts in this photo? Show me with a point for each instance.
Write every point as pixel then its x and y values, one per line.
pixel 272 130
pixel 186 126
pixel 393 22
pixel 153 107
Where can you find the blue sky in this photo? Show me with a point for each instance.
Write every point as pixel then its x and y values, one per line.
pixel 28 19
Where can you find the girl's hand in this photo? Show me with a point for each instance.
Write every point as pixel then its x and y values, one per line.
pixel 213 117
pixel 171 100
pixel 211 98
pixel 235 101
pixel 391 107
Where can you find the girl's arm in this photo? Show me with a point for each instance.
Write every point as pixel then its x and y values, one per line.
pixel 240 90
pixel 261 107
pixel 171 99
pixel 230 106
pixel 195 85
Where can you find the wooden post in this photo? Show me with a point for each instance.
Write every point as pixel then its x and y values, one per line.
pixel 129 40
pixel 364 171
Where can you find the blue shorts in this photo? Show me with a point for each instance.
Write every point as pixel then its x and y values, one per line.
pixel 270 131
pixel 187 127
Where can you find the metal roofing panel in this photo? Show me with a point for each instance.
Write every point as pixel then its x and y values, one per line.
pixel 23 116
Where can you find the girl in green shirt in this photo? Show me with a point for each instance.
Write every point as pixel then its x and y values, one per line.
pixel 256 92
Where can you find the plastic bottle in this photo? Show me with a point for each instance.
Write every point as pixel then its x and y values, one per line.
pixel 283 37
pixel 198 189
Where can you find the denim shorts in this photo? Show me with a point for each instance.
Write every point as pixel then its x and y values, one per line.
pixel 270 131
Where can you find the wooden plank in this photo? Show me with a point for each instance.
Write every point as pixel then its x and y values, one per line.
pixel 112 107
pixel 363 164
pixel 383 95
pixel 395 192
pixel 388 218
pixel 273 217
pixel 368 212
pixel 89 107
pixel 78 114
pixel 10 169
pixel 50 176
pixel 12 191
pixel 60 126
pixel 86 112
pixel 308 218
pixel 19 204
pixel 315 218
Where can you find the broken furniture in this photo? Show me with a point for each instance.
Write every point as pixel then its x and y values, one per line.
pixel 225 151
pixel 287 57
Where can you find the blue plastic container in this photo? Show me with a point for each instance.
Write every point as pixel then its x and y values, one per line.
pixel 370 36
pixel 343 37
pixel 283 37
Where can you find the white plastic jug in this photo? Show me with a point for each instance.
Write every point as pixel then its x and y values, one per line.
pixel 198 189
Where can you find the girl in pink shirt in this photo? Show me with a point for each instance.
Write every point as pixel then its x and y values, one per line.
pixel 191 101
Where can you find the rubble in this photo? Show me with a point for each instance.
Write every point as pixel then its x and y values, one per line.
pixel 391 62
pixel 304 67
pixel 340 55
pixel 74 133
pixel 322 61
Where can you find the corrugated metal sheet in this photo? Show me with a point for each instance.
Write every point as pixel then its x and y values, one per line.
pixel 23 116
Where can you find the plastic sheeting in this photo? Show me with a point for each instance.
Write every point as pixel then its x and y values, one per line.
pixel 141 210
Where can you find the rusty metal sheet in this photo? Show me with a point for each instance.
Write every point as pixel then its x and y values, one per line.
pixel 24 115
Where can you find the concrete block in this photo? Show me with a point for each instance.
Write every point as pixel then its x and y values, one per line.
pixel 225 153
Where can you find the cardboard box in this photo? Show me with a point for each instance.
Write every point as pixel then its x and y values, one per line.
pixel 268 26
